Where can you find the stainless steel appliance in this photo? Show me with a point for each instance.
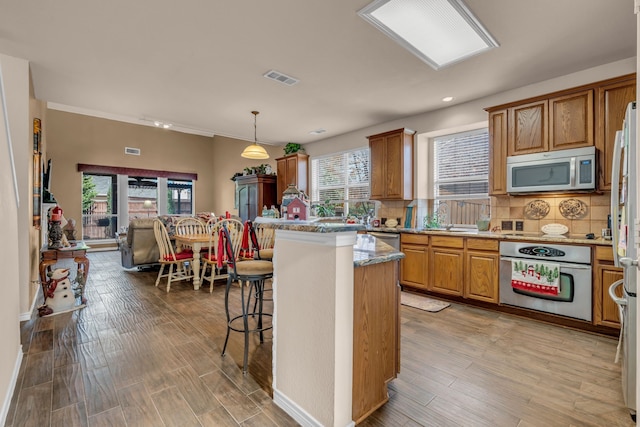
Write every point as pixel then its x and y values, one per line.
pixel 623 206
pixel 574 294
pixel 559 171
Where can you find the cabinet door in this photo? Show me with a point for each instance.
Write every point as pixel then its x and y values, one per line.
pixel 528 128
pixel 413 267
pixel 612 105
pixel 283 179
pixel 446 271
pixel 378 167
pixel 605 310
pixel 498 152
pixel 571 121
pixel 481 276
pixel 394 188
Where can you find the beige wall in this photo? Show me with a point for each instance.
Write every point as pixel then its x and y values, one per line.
pixel 15 81
pixel 74 138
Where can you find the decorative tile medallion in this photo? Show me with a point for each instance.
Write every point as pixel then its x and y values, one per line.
pixel 536 209
pixel 573 209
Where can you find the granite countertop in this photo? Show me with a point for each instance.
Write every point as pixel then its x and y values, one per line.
pixel 308 226
pixel 368 250
pixel 504 235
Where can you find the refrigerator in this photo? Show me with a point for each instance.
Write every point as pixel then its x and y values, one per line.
pixel 623 213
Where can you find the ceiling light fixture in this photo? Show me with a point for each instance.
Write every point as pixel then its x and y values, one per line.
pixel 255 151
pixel 447 99
pixel 317 132
pixel 162 125
pixel 439 32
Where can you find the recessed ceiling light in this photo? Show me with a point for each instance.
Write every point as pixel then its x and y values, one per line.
pixel 447 99
pixel 317 132
pixel 162 125
pixel 439 32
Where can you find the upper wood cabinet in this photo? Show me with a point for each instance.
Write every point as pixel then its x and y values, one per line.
pixel 528 128
pixel 292 169
pixel 579 117
pixel 391 172
pixel 571 121
pixel 498 152
pixel 613 98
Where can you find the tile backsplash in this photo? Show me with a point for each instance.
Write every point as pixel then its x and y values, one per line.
pixel 581 213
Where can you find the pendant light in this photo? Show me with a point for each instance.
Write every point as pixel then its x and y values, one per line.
pixel 254 151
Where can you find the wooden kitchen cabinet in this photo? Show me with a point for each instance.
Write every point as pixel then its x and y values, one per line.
pixel 498 152
pixel 292 169
pixel 254 192
pixel 605 311
pixel 376 336
pixel 482 263
pixel 391 157
pixel 571 121
pixel 414 266
pixel 528 128
pixel 446 265
pixel 613 97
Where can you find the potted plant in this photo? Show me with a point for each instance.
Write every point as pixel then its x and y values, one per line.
pixel 292 148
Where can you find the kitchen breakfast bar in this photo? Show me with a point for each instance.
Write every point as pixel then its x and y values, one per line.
pixel 336 328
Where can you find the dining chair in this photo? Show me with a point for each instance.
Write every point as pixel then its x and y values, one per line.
pixel 211 222
pixel 251 274
pixel 170 258
pixel 189 225
pixel 210 258
pixel 262 240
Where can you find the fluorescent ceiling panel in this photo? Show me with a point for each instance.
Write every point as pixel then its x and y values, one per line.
pixel 440 32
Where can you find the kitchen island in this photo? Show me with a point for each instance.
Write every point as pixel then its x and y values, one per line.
pixel 336 322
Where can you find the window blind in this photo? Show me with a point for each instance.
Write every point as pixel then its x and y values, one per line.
pixel 341 177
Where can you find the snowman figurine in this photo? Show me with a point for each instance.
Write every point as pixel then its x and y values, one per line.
pixel 60 296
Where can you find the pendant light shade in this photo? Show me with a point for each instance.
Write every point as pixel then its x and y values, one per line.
pixel 255 151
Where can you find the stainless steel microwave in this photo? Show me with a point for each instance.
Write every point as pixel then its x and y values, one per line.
pixel 552 171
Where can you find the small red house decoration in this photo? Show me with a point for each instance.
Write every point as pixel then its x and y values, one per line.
pixel 298 209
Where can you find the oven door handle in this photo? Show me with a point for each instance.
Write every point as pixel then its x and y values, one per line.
pixel 562 264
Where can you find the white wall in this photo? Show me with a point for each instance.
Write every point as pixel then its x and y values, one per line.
pixel 15 74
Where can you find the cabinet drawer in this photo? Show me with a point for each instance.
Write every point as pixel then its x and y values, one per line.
pixel 604 253
pixel 483 244
pixel 419 239
pixel 447 242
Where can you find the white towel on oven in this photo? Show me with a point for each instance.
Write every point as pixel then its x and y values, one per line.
pixel 536 276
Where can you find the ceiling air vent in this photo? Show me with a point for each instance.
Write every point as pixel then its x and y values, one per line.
pixel 280 77
pixel 132 151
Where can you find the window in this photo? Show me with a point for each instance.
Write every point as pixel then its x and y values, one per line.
pixel 461 176
pixel 339 179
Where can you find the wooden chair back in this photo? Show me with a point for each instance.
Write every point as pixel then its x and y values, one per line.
pixel 186 226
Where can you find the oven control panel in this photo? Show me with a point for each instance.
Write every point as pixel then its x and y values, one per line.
pixel 541 251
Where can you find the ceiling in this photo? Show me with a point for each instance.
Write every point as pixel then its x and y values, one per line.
pixel 200 64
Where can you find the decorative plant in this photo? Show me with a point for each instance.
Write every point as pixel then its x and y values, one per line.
pixel 291 148
pixel 325 208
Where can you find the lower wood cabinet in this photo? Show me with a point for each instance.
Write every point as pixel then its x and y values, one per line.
pixel 413 267
pixel 605 311
pixel 458 266
pixel 376 336
pixel 482 264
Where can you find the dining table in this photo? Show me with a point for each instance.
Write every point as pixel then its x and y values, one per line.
pixel 196 242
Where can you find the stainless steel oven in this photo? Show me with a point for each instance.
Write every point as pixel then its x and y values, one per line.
pixel 573 295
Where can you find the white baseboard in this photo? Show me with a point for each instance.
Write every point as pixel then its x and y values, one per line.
pixel 12 388
pixel 296 412
pixel 29 314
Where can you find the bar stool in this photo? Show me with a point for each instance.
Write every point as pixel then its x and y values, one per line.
pixel 252 273
pixel 260 252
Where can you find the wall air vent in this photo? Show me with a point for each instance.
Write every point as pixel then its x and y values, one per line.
pixel 132 151
pixel 280 77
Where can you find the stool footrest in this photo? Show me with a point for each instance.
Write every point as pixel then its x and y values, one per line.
pixel 237 329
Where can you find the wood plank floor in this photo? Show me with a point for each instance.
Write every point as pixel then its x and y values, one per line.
pixel 137 356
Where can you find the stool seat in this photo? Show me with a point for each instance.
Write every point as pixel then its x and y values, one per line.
pixel 266 254
pixel 254 268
